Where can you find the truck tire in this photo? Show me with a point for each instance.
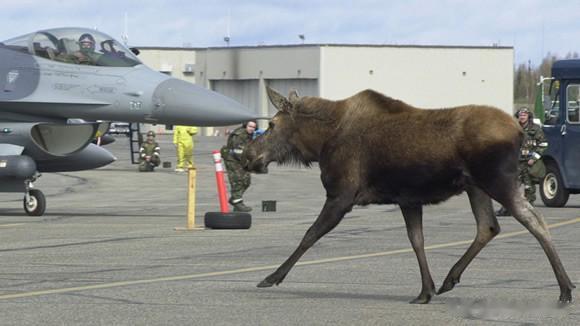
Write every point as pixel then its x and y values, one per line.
pixel 552 188
pixel 232 220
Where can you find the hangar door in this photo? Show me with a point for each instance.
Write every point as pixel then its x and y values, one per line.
pixel 305 87
pixel 244 91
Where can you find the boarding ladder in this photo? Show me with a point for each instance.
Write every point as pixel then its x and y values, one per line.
pixel 135 140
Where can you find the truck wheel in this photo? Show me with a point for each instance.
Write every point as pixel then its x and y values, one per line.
pixel 37 204
pixel 232 220
pixel 552 188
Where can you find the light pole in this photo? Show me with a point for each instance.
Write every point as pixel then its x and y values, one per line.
pixel 302 37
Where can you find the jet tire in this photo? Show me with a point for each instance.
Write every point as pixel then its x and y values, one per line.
pixel 231 220
pixel 37 204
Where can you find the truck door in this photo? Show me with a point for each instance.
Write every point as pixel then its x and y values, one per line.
pixel 570 131
pixel 553 123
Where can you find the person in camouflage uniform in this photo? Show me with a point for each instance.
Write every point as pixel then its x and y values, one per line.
pixel 533 147
pixel 239 178
pixel 149 154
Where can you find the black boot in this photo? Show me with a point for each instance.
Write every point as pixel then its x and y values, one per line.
pixel 240 207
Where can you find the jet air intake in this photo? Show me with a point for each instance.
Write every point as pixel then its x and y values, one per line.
pixel 62 140
pixel 47 140
pixel 54 147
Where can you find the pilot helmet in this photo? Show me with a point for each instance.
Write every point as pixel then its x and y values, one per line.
pixel 87 42
pixel 151 133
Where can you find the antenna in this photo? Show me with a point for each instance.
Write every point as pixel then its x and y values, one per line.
pixel 542 54
pixel 125 36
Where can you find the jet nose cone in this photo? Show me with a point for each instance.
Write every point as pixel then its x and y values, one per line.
pixel 180 102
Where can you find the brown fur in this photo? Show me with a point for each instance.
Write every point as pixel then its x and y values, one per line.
pixel 373 149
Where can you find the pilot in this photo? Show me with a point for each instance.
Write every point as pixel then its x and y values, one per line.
pixel 149 154
pixel 86 55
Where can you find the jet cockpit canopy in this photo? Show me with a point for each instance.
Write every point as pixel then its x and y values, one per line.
pixel 75 46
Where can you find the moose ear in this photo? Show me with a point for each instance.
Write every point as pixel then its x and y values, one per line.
pixel 293 96
pixel 280 102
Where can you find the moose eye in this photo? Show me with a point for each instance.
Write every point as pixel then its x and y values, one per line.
pixel 270 125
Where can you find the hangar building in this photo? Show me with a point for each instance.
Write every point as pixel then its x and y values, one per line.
pixel 423 76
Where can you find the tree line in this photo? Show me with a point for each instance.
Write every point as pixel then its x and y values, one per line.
pixel 526 77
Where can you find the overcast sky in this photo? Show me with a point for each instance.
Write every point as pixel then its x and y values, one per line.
pixel 532 27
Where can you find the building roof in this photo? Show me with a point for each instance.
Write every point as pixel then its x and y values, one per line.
pixel 326 45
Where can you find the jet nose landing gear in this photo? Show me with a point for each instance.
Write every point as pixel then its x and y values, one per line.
pixel 34 201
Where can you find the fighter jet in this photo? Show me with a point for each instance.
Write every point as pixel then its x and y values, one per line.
pixel 53 75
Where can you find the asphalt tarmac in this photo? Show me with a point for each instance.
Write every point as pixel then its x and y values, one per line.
pixel 107 253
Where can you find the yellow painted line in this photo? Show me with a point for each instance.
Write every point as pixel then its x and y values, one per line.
pixel 259 268
pixel 10 225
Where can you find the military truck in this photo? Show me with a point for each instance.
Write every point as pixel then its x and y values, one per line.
pixel 562 129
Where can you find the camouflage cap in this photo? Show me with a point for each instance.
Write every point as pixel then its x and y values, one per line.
pixel 524 110
pixel 151 133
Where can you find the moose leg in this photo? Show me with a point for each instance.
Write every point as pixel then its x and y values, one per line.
pixel 529 217
pixel 332 212
pixel 414 221
pixel 487 229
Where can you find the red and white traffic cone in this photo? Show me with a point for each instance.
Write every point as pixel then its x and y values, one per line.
pixel 221 184
pixel 225 219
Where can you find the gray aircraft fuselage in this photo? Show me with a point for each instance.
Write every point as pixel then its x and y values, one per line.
pixel 38 87
pixel 51 76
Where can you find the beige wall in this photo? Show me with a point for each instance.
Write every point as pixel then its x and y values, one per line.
pixel 259 64
pixel 427 77
pixel 421 76
pixel 173 60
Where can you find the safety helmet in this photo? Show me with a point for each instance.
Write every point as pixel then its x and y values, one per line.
pixel 151 133
pixel 87 38
pixel 523 110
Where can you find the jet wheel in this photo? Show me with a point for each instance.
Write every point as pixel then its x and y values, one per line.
pixel 37 203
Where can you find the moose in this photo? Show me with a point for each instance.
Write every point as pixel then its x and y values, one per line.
pixel 373 149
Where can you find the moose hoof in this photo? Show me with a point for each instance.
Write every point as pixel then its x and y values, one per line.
pixel 265 284
pixel 422 299
pixel 448 285
pixel 272 279
pixel 566 296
